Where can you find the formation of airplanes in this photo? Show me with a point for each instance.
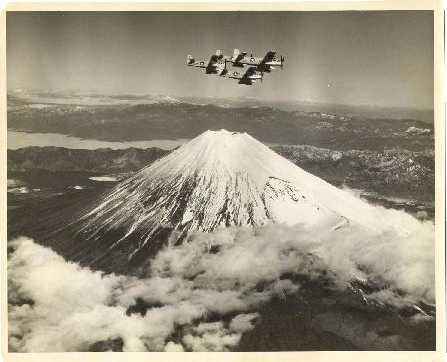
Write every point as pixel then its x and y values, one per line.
pixel 255 66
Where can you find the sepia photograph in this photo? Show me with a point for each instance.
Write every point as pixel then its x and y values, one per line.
pixel 220 181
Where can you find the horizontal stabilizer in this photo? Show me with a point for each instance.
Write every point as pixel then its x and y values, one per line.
pixel 190 59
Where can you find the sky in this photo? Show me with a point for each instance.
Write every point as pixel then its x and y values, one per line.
pixel 361 58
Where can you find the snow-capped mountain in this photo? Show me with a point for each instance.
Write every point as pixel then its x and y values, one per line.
pixel 217 179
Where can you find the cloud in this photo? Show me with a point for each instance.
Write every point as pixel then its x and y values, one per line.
pixel 243 322
pixel 210 337
pixel 206 293
pixel 173 347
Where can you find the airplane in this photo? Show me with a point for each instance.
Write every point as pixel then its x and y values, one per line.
pixel 266 64
pixel 251 76
pixel 216 64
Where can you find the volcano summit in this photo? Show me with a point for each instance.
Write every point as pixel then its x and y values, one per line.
pixel 217 179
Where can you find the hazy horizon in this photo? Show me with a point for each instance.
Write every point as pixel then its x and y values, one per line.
pixel 266 102
pixel 377 59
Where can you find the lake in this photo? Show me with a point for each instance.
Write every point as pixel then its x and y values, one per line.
pixel 18 139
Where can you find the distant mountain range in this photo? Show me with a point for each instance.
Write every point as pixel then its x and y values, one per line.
pixel 136 118
pixel 95 98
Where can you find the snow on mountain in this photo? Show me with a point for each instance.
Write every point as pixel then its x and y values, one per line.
pixel 217 179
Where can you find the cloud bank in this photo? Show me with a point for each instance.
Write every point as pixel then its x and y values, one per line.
pixel 205 294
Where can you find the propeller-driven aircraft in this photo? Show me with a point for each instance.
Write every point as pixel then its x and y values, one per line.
pixel 250 76
pixel 217 64
pixel 266 64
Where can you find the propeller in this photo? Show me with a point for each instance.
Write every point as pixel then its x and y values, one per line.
pixel 282 60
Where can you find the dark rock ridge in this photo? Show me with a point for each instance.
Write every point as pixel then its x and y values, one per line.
pixel 104 160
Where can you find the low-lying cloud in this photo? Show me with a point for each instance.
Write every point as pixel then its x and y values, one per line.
pixel 205 294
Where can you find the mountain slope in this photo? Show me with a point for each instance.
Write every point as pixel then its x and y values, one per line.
pixel 218 179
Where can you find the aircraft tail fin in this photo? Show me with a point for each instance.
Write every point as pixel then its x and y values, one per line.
pixel 189 59
pixel 236 53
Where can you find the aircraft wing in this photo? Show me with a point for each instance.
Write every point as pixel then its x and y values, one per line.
pixel 213 60
pixel 246 78
pixel 212 64
pixel 250 71
pixel 268 57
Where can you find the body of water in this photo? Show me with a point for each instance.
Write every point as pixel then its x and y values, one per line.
pixel 18 139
